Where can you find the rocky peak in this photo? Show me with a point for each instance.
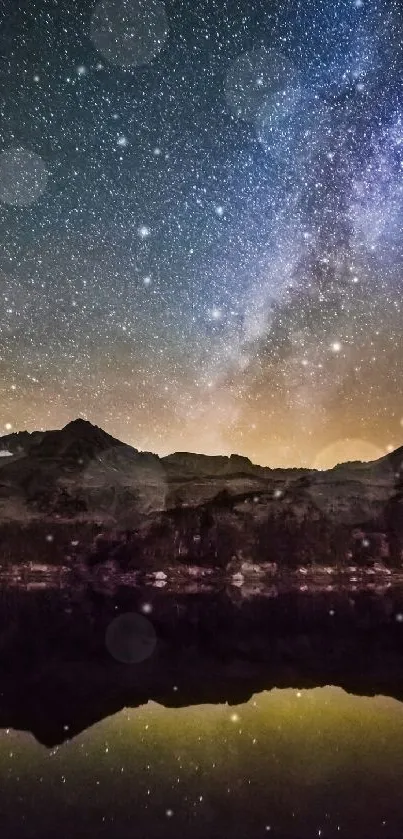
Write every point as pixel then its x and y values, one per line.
pixel 79 440
pixel 19 442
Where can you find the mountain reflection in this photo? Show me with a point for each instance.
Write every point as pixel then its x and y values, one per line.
pixel 288 763
pixel 245 716
pixel 60 674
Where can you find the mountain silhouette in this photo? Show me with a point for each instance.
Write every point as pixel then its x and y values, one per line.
pixel 197 509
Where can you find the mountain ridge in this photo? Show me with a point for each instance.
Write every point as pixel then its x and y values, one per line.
pixel 80 428
pixel 198 509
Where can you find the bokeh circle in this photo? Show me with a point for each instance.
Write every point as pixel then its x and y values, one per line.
pixel 353 479
pixel 23 177
pixel 120 484
pixel 130 638
pixel 346 450
pixel 129 33
pixel 256 79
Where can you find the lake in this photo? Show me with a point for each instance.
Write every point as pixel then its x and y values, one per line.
pixel 157 713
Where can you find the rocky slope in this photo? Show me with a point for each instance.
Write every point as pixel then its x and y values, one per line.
pixel 199 510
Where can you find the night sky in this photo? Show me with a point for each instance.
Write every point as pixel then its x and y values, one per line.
pixel 201 211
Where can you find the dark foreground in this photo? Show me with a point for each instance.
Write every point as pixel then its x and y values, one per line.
pixel 148 712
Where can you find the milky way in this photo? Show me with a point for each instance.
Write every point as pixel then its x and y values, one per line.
pixel 201 214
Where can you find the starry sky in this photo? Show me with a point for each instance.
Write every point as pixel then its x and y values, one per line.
pixel 201 210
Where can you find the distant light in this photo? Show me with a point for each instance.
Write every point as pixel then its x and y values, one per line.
pixel 122 142
pixel 336 347
pixel 219 211
pixel 81 70
pixel 216 314
pixel 144 232
pixel 8 426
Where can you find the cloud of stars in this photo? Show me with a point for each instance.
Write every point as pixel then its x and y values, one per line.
pixel 201 215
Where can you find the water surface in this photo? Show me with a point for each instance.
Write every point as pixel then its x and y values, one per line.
pixel 249 718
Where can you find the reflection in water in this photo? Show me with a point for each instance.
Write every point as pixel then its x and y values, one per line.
pixel 295 763
pixel 290 762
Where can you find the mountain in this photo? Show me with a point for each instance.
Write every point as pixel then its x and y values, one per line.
pixel 197 509
pixel 78 439
pixel 78 471
pixel 20 441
